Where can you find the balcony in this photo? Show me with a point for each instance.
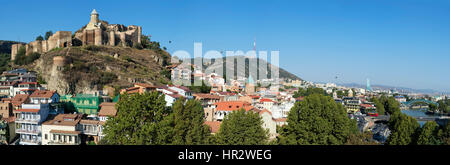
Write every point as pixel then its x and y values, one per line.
pixel 90 132
pixel 24 120
pixel 25 131
pixel 29 142
pixel 61 143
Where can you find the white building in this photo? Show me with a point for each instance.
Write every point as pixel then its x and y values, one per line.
pixel 64 129
pixel 173 93
pixel 282 110
pixel 28 123
pixel 26 88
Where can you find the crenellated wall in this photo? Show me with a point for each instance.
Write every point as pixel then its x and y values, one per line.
pixel 60 39
pixel 96 32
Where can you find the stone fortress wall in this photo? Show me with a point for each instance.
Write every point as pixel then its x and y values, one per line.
pixel 96 32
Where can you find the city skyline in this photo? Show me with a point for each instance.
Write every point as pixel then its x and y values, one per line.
pixel 395 43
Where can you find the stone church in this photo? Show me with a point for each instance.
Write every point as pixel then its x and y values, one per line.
pixel 96 32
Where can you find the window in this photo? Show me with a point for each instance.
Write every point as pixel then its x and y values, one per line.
pixel 46 136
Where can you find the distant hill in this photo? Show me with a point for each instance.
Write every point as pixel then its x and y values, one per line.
pixel 5 46
pixel 386 87
pixel 283 73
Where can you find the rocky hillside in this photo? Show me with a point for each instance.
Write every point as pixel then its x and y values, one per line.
pixel 89 68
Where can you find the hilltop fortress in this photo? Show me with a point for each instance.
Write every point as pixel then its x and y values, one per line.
pixel 96 32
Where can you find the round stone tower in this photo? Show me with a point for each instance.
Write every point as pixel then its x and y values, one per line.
pixel 59 62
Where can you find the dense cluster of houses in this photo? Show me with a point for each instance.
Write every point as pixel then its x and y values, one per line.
pixel 32 115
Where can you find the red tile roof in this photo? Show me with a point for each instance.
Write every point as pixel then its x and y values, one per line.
pixel 233 105
pixel 265 110
pixel 206 96
pixel 28 110
pixel 107 109
pixel 22 83
pixel 280 120
pixel 214 126
pixel 266 100
pixel 254 97
pixel 144 85
pixel 366 105
pixel 42 94
pixel 19 99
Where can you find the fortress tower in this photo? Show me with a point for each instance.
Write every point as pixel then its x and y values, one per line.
pixel 98 32
pixel 94 21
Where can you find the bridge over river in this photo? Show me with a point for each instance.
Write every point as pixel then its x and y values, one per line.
pixel 441 120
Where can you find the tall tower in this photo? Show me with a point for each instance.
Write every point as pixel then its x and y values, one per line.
pixel 94 21
pixel 368 87
pixel 94 17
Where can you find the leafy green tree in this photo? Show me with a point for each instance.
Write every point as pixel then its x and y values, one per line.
pixel 137 120
pixel 4 62
pixel 433 107
pixel 444 134
pixel 23 59
pixel 39 38
pixel 200 89
pixel 428 134
pixel 403 129
pixel 20 56
pixel 379 105
pixel 442 106
pixel 340 94
pixel 48 35
pixel 317 120
pixel 188 123
pixel 309 91
pixel 242 128
pixel 361 139
pixel 391 105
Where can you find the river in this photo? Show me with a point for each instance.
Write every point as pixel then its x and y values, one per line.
pixel 417 113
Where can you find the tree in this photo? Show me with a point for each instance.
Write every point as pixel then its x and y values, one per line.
pixel 20 56
pixel 444 135
pixel 442 106
pixel 391 105
pixel 200 89
pixel 317 120
pixel 379 105
pixel 309 91
pixel 48 35
pixel 4 62
pixel 433 108
pixel 428 134
pixel 242 128
pixel 361 139
pixel 137 119
pixel 403 129
pixel 188 123
pixel 39 38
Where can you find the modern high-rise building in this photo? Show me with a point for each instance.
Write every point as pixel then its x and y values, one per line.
pixel 368 87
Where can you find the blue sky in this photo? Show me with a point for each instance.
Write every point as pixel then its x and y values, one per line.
pixel 393 42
